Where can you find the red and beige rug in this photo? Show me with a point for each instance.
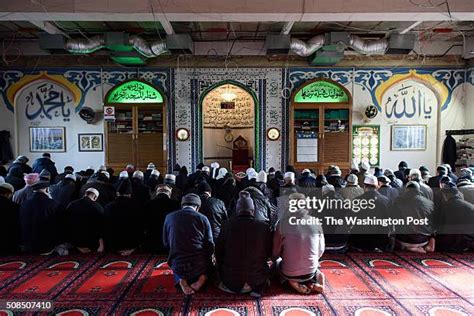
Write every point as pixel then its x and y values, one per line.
pixel 360 284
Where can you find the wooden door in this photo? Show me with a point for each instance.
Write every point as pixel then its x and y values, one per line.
pixel 336 135
pixel 150 136
pixel 120 139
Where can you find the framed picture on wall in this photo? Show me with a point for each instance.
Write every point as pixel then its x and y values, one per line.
pixel 366 144
pixel 408 137
pixel 47 139
pixel 91 142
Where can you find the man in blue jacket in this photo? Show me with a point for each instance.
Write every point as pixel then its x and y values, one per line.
pixel 188 235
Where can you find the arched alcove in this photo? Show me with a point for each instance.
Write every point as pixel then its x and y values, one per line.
pixel 228 113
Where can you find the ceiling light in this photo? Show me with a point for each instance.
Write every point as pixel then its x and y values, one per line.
pixel 228 95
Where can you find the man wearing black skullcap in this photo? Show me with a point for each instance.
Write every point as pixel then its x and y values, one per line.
pixel 400 173
pixel 122 226
pixel 188 235
pixel 242 250
pixel 213 208
pixel 41 220
pixel 441 171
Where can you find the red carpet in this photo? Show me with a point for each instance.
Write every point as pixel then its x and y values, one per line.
pixel 357 284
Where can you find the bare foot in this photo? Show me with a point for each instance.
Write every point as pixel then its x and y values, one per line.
pixel 319 286
pixel 125 253
pixel 84 250
pixel 300 288
pixel 196 286
pixel 187 290
pixel 417 249
pixel 430 247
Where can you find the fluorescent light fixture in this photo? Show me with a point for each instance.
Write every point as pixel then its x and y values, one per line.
pixel 412 26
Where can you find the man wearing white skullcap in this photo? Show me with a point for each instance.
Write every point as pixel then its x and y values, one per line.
pixel 368 205
pixel 140 191
pixel 426 191
pixel 364 171
pixel 214 169
pixel 262 177
pixel 352 189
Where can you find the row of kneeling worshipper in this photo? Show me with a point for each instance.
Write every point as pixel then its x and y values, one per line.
pixel 212 223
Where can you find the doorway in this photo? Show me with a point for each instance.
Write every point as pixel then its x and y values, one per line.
pixel 229 126
pixel 137 134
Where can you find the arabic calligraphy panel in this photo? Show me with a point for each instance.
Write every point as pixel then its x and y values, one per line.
pixel 409 100
pixel 241 116
pixel 46 100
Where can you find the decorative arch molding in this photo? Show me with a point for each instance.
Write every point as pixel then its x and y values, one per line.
pixel 134 91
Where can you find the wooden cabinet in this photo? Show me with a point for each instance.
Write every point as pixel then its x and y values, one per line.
pixel 136 136
pixel 320 132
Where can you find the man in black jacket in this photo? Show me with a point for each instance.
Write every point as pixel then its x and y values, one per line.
pixel 21 162
pixel 140 192
pixel 41 220
pixel 264 210
pixel 122 224
pixel 65 191
pixel 15 178
pixel 400 173
pixel 411 203
pixel 243 249
pixel 85 223
pixel 372 237
pixel 45 163
pixel 441 171
pixel 456 221
pixel 100 182
pixel 9 234
pixel 213 208
pixel 60 177
pixel 156 211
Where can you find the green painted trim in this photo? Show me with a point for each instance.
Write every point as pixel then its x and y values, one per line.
pixel 133 92
pixel 321 91
pixel 256 120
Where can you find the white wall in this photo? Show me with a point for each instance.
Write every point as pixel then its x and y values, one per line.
pixel 451 118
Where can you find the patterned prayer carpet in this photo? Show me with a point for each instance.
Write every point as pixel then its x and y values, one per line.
pixel 360 284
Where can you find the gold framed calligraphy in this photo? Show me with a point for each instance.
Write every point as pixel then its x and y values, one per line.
pixel 408 137
pixel 47 139
pixel 91 142
pixel 366 144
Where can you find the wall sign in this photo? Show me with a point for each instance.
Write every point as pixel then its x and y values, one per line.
pixel 366 144
pixel 408 137
pixel 133 91
pixel 321 91
pixel 109 113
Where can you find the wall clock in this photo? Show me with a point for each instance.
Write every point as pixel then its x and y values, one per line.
pixel 273 133
pixel 182 134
